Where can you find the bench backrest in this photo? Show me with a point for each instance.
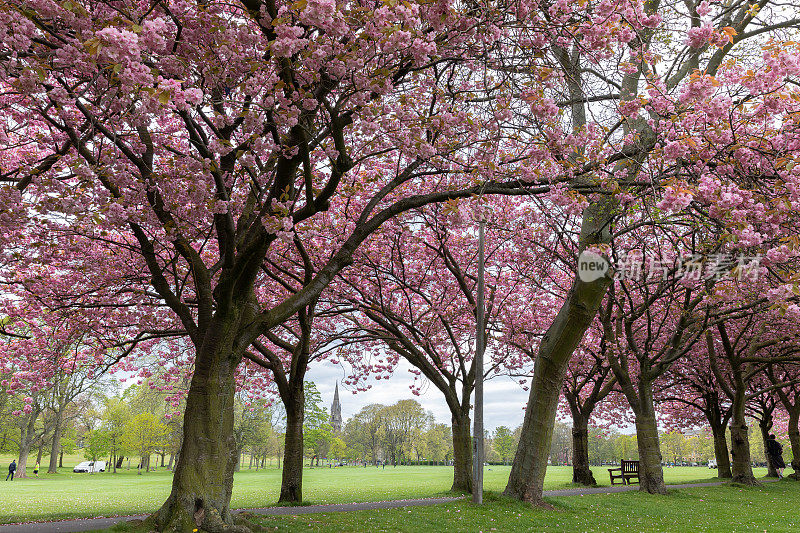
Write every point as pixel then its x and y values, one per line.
pixel 629 466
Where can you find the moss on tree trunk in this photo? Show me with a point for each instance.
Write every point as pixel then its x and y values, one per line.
pixel 203 478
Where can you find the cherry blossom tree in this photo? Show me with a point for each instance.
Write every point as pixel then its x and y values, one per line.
pixel 740 351
pixel 412 292
pixel 691 397
pixel 589 381
pixel 690 109
pixel 195 136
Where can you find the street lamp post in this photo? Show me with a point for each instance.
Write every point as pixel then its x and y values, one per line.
pixel 477 433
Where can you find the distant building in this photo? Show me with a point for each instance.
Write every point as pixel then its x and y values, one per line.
pixel 336 411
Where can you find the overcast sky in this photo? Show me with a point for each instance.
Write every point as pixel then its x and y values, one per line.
pixel 504 398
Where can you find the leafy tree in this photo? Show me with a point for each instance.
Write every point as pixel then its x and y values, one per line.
pixel 504 443
pixel 317 430
pixel 97 443
pixel 438 442
pixel 403 422
pixel 144 434
pixel 364 432
pixel 338 449
pixel 114 420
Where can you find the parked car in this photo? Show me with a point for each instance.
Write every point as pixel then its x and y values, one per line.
pixel 90 467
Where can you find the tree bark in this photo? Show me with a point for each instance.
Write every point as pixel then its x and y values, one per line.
pixel 721 453
pixel 203 478
pixel 794 440
pixel 462 453
pixel 526 480
pixel 764 425
pixel 742 468
pixel 25 444
pixel 120 459
pixel 238 465
pixel 56 445
pixel 740 450
pixel 292 474
pixel 581 472
pixel 651 475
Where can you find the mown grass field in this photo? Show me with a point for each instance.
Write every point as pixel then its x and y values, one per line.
pixel 725 509
pixel 68 495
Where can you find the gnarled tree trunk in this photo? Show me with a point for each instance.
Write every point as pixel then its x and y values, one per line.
pixel 740 450
pixel 742 467
pixel 462 453
pixel 203 478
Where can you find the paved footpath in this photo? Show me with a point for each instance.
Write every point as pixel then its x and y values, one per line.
pixel 91 524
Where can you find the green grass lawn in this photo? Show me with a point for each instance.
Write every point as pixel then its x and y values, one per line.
pixel 725 509
pixel 66 495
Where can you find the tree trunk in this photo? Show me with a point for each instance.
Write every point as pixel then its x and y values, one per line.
pixel 581 473
pixel 292 476
pixel 740 450
pixel 56 446
pixel 25 445
pixel 41 450
pixel 721 453
pixel 120 459
pixel 651 475
pixel 61 458
pixel 794 440
pixel 203 478
pixel 238 464
pixel 162 459
pixel 765 427
pixel 526 480
pixel 462 453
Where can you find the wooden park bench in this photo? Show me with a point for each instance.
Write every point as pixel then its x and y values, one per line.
pixel 626 471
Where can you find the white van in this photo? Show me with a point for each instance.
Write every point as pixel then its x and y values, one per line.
pixel 90 467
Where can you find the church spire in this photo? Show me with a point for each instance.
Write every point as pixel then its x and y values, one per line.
pixel 336 411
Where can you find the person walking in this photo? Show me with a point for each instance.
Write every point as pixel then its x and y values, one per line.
pixel 11 469
pixel 36 469
pixel 775 455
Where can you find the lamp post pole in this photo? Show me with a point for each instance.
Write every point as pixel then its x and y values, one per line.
pixel 477 433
